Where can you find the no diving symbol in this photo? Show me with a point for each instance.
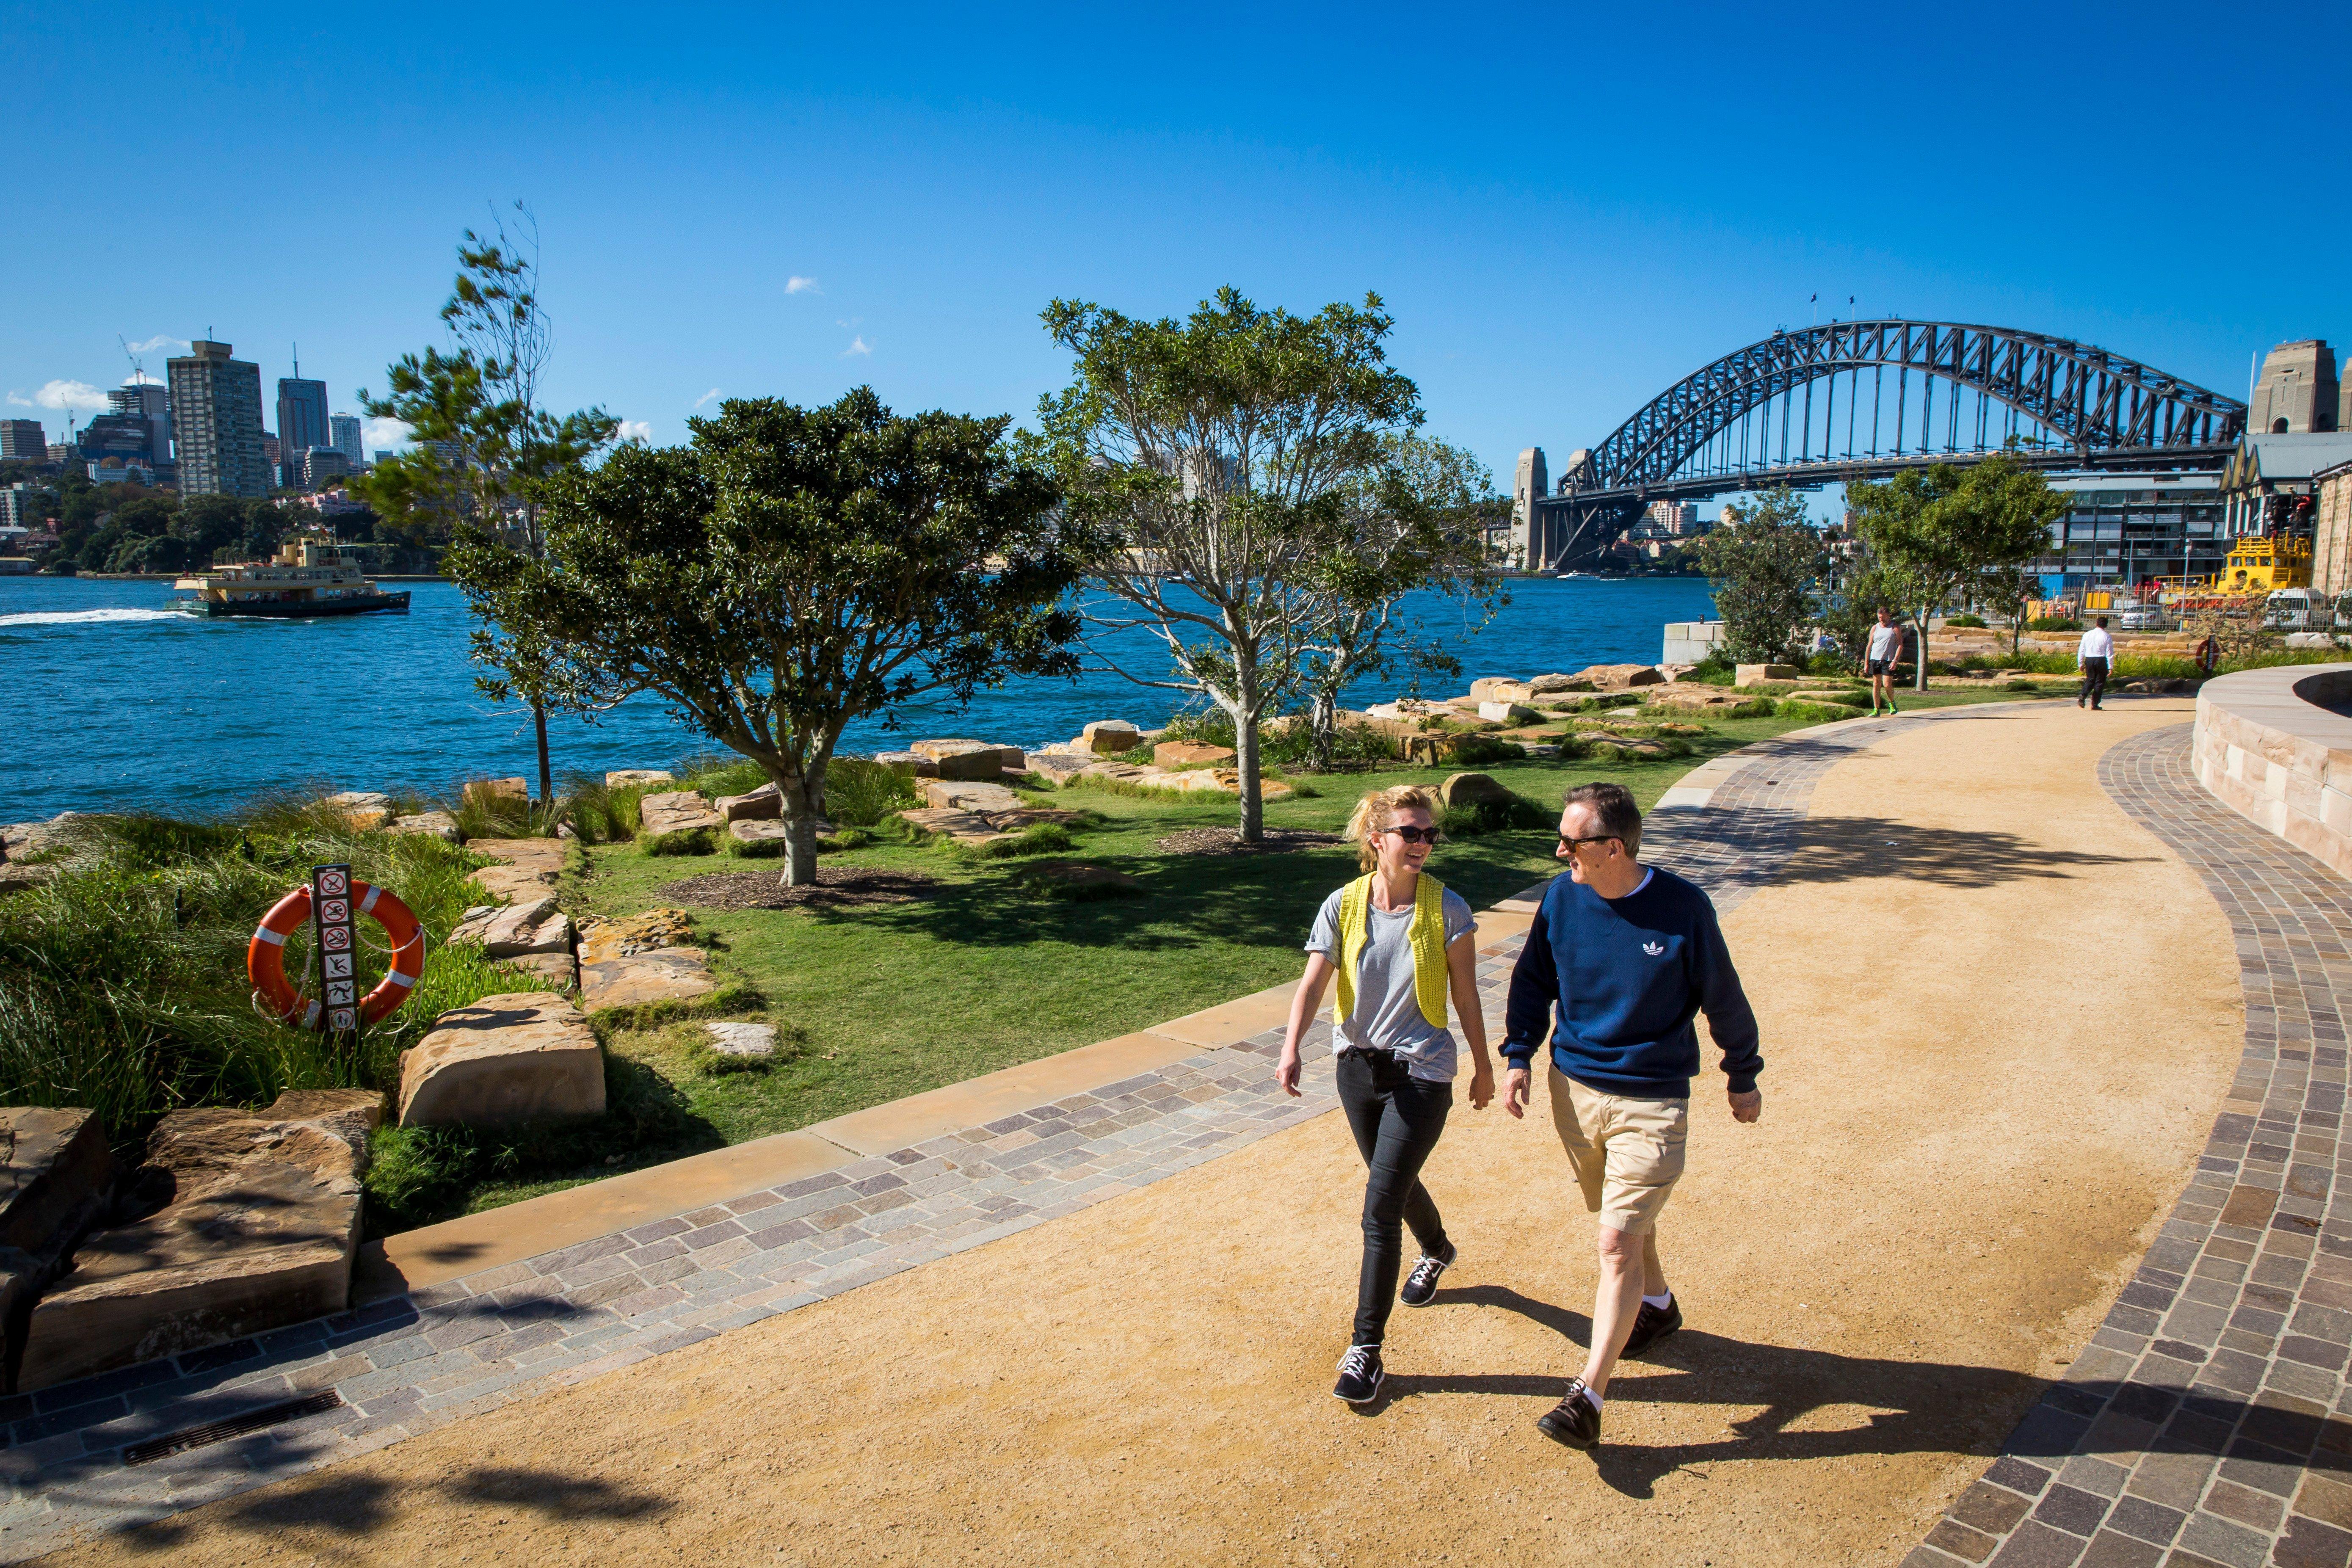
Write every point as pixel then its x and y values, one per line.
pixel 332 884
pixel 336 939
pixel 336 912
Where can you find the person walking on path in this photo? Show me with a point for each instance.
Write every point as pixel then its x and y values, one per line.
pixel 2097 649
pixel 1399 943
pixel 1878 661
pixel 1621 958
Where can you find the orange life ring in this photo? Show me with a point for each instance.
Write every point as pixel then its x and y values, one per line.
pixel 264 956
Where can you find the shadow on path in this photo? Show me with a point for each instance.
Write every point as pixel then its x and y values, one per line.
pixel 1849 848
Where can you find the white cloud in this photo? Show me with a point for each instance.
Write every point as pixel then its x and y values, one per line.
pixel 856 346
pixel 70 394
pixel 21 401
pixel 159 340
pixel 637 430
pixel 385 435
pixel 706 397
pixel 799 284
pixel 140 378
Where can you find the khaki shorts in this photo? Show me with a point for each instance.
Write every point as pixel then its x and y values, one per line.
pixel 1628 1153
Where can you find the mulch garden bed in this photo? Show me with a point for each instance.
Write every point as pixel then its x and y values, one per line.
pixel 1228 841
pixel 833 889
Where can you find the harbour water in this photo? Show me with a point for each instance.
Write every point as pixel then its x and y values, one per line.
pixel 110 700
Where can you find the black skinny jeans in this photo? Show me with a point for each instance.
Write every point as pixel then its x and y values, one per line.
pixel 1396 1118
pixel 2094 680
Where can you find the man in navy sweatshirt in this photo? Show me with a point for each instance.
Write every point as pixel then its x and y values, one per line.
pixel 1623 956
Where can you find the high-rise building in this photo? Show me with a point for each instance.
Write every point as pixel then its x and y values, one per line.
pixel 24 438
pixel 1527 489
pixel 384 457
pixel 217 422
pixel 125 437
pixel 320 464
pixel 2296 392
pixel 348 435
pixel 144 399
pixel 301 420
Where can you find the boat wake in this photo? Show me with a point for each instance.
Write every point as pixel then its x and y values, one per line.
pixel 88 618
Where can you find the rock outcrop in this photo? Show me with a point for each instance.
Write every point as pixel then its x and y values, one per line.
pixel 527 869
pixel 986 798
pixel 619 778
pixel 641 932
pixel 1757 674
pixel 258 1233
pixel 1188 753
pixel 365 807
pixel 974 760
pixel 1618 676
pixel 732 1039
pixel 1474 789
pixel 1507 713
pixel 655 974
pixel 536 927
pixel 1109 737
pixel 679 811
pixel 763 804
pixel 519 1057
pixel 57 1179
pixel 439 824
pixel 1501 689
pixel 760 832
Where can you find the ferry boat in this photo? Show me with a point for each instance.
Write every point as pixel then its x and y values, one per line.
pixel 307 577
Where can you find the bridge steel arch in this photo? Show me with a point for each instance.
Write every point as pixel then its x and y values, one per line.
pixel 2091 408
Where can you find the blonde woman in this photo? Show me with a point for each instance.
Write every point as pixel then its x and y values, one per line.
pixel 1399 944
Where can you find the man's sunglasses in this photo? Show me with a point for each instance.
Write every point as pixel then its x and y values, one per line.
pixel 1429 835
pixel 1573 845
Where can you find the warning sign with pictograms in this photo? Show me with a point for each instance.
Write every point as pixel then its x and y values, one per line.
pixel 331 914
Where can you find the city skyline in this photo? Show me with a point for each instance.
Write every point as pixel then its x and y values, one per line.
pixel 1555 256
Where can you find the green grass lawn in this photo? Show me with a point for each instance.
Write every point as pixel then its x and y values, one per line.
pixel 877 1002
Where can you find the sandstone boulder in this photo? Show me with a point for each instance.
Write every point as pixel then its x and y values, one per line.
pixel 1109 737
pixel 1553 685
pixel 1188 753
pixel 556 969
pixel 760 834
pixel 438 824
pixel 640 932
pixel 1618 677
pixel 1501 689
pixel 537 926
pixel 621 778
pixel 759 804
pixel 509 788
pixel 1757 674
pixel 913 764
pixel 965 828
pixel 732 1039
pixel 658 975
pixel 517 1056
pixel 1507 713
pixel 968 760
pixel 57 1178
pixel 365 807
pixel 257 1234
pixel 1474 789
pixel 960 796
pixel 679 811
pixel 1060 764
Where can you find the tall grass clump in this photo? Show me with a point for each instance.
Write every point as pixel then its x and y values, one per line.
pixel 122 982
pixel 859 793
pixel 599 813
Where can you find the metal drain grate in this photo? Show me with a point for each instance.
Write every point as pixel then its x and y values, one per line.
pixel 234 1426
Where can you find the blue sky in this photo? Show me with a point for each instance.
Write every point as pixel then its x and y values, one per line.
pixel 1566 208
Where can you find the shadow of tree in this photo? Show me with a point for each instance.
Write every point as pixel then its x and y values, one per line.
pixel 1848 849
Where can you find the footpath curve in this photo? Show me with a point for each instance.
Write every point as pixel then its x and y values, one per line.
pixel 1148 1374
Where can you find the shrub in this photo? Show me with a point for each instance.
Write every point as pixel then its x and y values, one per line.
pixel 1976 621
pixel 1518 813
pixel 687 841
pixel 1037 839
pixel 859 791
pixel 2054 624
pixel 2019 685
pixel 602 814
pixel 853 839
pixel 1474 750
pixel 756 848
pixel 1715 670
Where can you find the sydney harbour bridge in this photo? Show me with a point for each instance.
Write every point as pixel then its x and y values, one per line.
pixel 1864 400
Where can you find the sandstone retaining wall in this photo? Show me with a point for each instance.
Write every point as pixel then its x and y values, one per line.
pixel 2267 749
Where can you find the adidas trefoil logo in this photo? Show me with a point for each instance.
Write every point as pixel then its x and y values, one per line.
pixel 1653 949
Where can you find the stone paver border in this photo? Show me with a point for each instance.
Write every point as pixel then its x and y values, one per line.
pixel 473 1341
pixel 2204 1424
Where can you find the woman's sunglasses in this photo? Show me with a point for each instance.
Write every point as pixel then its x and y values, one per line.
pixel 1429 835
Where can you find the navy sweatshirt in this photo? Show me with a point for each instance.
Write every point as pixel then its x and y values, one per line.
pixel 1628 976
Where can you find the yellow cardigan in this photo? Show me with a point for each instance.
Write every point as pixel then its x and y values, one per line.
pixel 1427 935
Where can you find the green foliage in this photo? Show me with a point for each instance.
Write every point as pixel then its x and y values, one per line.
pixel 1759 567
pixel 756 848
pixel 122 983
pixel 1473 750
pixel 854 839
pixel 790 571
pixel 1037 839
pixel 1517 814
pixel 859 793
pixel 1974 621
pixel 2054 624
pixel 2019 685
pixel 686 841
pixel 605 814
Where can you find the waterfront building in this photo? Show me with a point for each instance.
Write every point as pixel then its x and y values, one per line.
pixel 24 505
pixel 2121 528
pixel 145 401
pixel 24 438
pixel 302 419
pixel 2331 529
pixel 2297 393
pixel 1670 518
pixel 348 435
pixel 2266 485
pixel 216 402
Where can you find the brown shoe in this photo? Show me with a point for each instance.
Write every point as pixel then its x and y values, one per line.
pixel 1575 1420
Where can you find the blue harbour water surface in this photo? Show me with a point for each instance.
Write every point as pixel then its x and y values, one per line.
pixel 110 700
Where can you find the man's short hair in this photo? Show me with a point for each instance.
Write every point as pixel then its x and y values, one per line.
pixel 2103 623
pixel 1613 804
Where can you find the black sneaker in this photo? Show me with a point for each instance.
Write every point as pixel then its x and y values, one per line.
pixel 1652 1324
pixel 1360 1375
pixel 1421 1285
pixel 1575 1420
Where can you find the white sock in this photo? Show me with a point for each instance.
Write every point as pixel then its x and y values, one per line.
pixel 1660 1303
pixel 1594 1397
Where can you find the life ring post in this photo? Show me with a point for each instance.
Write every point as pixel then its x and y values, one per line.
pixel 331 904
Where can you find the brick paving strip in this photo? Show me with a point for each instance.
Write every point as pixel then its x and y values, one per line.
pixel 470 1344
pixel 2204 1423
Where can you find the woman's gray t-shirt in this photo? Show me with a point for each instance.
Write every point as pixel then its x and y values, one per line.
pixel 1386 1015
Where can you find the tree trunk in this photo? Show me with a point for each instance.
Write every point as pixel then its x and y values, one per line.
pixel 800 828
pixel 1253 815
pixel 546 777
pixel 1324 725
pixel 1919 675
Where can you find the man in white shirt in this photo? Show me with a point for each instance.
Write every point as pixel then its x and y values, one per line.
pixel 2098 649
pixel 1878 661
